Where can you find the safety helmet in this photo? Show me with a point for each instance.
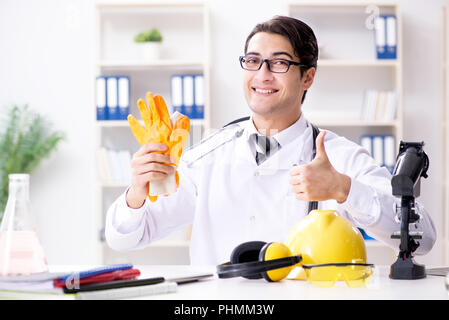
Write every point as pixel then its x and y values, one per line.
pixel 323 237
pixel 324 243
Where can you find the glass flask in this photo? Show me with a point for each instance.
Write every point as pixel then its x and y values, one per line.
pixel 21 252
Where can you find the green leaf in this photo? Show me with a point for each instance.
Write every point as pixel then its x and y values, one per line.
pixel 26 140
pixel 152 35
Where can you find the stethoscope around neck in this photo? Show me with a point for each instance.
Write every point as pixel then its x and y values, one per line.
pixel 313 205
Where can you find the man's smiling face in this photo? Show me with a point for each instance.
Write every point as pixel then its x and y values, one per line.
pixel 267 93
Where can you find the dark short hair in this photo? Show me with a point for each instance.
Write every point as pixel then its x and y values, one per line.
pixel 299 34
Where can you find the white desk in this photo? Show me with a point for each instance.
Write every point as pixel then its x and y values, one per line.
pixel 381 287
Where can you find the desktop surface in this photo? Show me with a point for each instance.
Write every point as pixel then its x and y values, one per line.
pixel 381 287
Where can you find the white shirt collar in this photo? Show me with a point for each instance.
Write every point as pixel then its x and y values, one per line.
pixel 285 136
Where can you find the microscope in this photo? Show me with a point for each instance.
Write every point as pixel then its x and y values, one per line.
pixel 411 164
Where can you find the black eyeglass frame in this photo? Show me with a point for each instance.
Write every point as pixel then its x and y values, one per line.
pixel 267 61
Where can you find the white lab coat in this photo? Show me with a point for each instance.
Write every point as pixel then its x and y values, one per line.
pixel 230 200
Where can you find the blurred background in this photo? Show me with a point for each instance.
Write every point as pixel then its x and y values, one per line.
pixel 83 64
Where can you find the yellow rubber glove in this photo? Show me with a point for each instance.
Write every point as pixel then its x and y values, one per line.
pixel 159 128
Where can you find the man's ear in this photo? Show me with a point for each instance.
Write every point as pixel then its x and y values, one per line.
pixel 307 78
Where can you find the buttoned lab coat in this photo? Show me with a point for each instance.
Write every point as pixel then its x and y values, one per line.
pixel 231 200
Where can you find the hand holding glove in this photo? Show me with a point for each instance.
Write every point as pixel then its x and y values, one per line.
pixel 159 128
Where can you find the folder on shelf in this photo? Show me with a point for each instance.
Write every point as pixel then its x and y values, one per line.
pixel 187 86
pixel 380 36
pixel 176 93
pixel 101 98
pixel 369 105
pixel 366 142
pixel 391 36
pixel 379 105
pixel 112 101
pixel 123 97
pixel 391 105
pixel 390 152
pixel 114 165
pixel 381 148
pixel 385 36
pixel 198 111
pixel 378 150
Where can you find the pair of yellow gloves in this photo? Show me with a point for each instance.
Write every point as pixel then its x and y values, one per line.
pixel 160 128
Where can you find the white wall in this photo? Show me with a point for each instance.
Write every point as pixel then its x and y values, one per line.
pixel 423 99
pixel 46 61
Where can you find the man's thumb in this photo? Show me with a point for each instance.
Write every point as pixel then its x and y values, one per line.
pixel 320 150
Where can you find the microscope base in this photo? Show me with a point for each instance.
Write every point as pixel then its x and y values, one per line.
pixel 407 269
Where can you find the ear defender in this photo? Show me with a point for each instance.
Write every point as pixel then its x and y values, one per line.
pixel 247 252
pixel 274 251
pixel 272 261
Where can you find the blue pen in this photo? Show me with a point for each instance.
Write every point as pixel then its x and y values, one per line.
pixel 95 271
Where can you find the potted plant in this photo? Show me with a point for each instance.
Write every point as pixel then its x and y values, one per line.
pixel 25 139
pixel 150 41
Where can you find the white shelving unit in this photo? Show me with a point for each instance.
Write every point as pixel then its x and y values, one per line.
pixel 185 29
pixel 347 47
pixel 445 128
pixel 347 51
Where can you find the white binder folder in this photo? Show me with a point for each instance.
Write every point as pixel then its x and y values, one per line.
pixel 101 98
pixel 123 97
pixel 199 97
pixel 188 95
pixel 391 38
pixel 176 93
pixel 112 102
pixel 378 150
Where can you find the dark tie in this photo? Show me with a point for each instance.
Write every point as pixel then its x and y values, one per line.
pixel 265 147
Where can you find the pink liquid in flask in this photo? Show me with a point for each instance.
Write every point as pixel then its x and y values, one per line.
pixel 21 253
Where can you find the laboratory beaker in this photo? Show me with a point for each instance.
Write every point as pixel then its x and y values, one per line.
pixel 21 252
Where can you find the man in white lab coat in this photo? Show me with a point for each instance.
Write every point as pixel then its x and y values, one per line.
pixel 253 180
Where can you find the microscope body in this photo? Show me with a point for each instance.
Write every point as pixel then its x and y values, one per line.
pixel 411 164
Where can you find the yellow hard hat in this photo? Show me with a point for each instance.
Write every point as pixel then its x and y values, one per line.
pixel 324 237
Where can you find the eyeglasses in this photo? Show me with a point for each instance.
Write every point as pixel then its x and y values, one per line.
pixel 276 65
pixel 325 275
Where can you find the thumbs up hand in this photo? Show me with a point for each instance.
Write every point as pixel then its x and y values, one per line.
pixel 318 180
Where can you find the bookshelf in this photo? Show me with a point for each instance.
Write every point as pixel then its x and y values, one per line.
pixel 185 29
pixel 347 68
pixel 338 26
pixel 445 128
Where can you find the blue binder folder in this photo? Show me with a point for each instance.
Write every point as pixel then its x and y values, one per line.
pixel 381 148
pixel 380 37
pixel 176 93
pixel 112 101
pixel 391 36
pixel 101 98
pixel 188 95
pixel 385 34
pixel 123 97
pixel 198 109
